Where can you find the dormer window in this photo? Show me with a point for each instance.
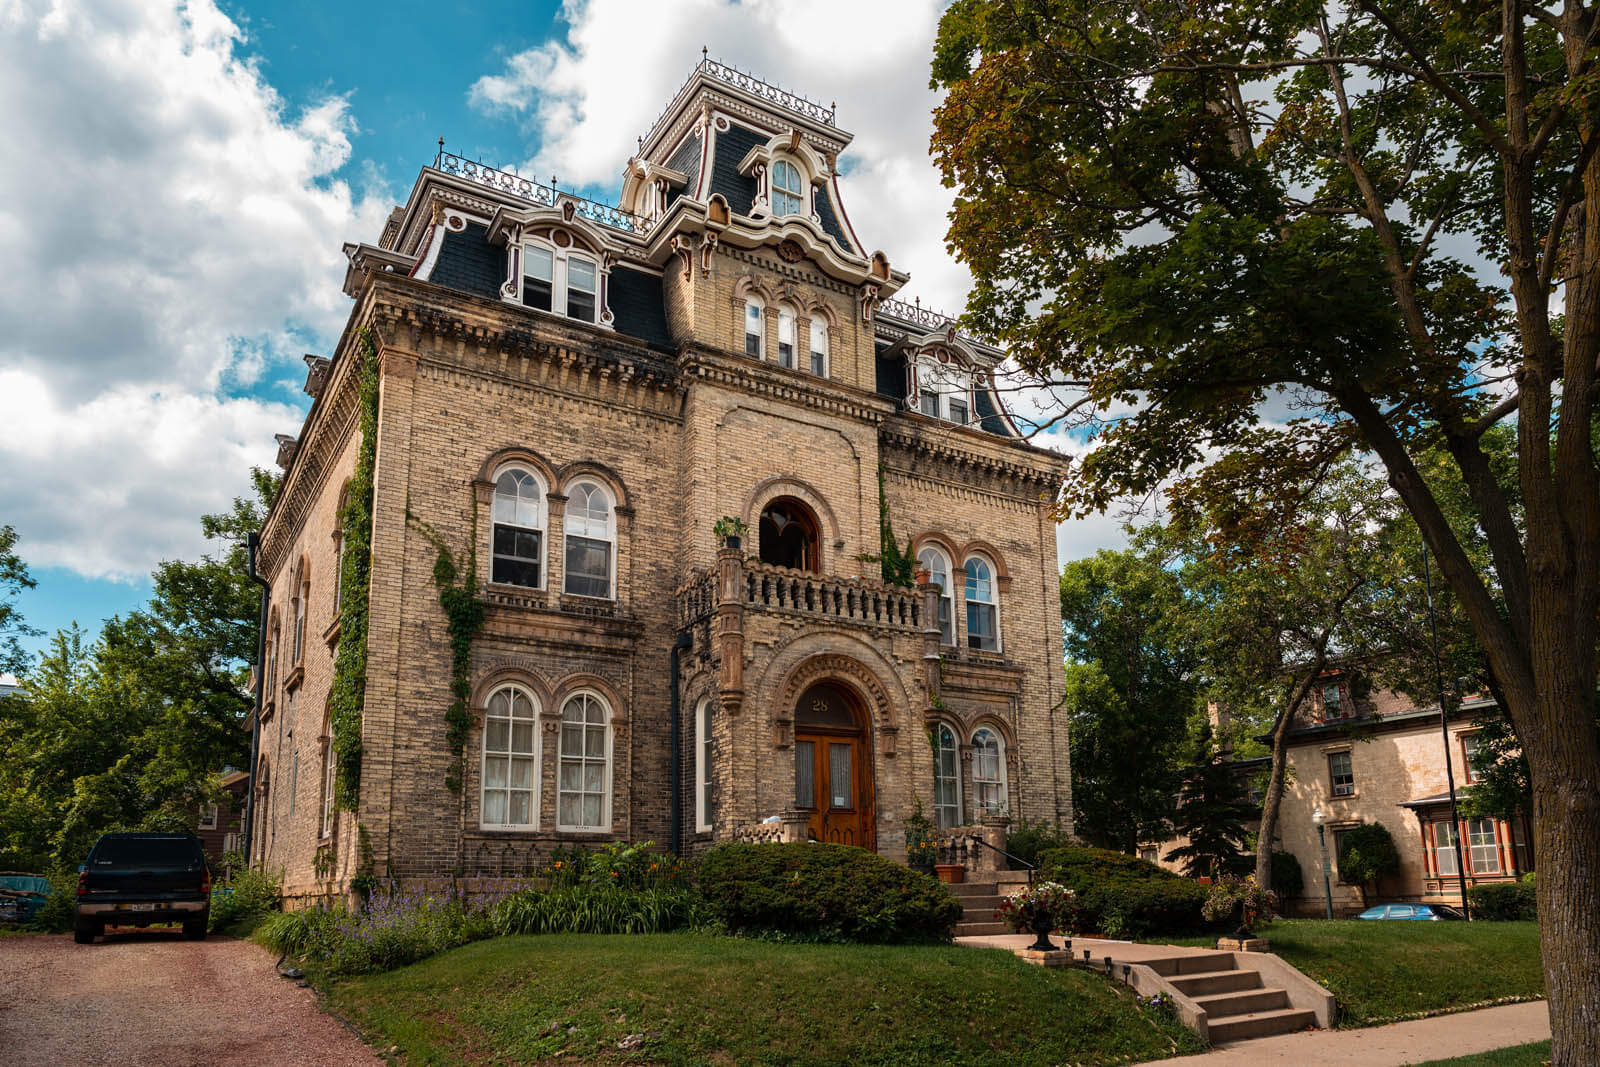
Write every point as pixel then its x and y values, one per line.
pixel 785 338
pixel 944 392
pixel 580 288
pixel 562 281
pixel 786 189
pixel 755 323
pixel 538 281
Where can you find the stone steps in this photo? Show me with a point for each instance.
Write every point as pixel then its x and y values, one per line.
pixel 1238 1005
pixel 978 903
pixel 1260 1024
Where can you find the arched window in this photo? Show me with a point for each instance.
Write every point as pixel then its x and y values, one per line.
pixel 510 760
pixel 302 593
pixel 988 772
pixel 755 328
pixel 785 337
pixel 590 537
pixel 939 571
pixel 259 817
pixel 786 189
pixel 327 780
pixel 789 535
pixel 294 777
pixel 983 616
pixel 518 535
pixel 584 788
pixel 702 767
pixel 946 778
pixel 819 347
pixel 269 677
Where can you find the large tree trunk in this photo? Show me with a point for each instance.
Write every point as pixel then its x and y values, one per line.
pixel 1270 804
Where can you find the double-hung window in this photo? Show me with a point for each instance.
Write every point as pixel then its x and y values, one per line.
pixel 583 794
pixel 580 288
pixel 755 329
pixel 946 778
pixel 510 760
pixel 1444 843
pixel 590 537
pixel 564 282
pixel 988 772
pixel 518 536
pixel 983 616
pixel 939 573
pixel 1341 774
pixel 1483 846
pixel 787 198
pixel 785 338
pixel 539 277
pixel 819 348
pixel 702 772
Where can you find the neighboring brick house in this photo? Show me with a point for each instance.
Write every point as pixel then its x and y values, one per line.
pixel 574 395
pixel 220 827
pixel 1379 758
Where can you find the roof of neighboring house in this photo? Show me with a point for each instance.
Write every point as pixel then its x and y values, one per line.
pixel 1428 802
pixel 1380 721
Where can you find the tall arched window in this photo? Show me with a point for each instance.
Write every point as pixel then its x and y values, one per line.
pixel 983 615
pixel 786 189
pixel 328 781
pixel 939 571
pixel 946 778
pixel 590 538
pixel 819 347
pixel 510 760
pixel 702 766
pixel 302 593
pixel 269 675
pixel 584 788
pixel 789 535
pixel 338 551
pixel 785 337
pixel 518 535
pixel 988 772
pixel 755 328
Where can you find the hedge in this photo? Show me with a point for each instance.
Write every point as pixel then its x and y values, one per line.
pixel 826 892
pixel 1504 902
pixel 1124 896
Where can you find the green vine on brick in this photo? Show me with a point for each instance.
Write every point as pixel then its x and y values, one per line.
pixel 463 613
pixel 348 694
pixel 897 567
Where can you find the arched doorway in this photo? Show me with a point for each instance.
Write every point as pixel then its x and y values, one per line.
pixel 833 766
pixel 789 535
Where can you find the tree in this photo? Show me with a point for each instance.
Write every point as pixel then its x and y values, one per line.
pixel 1366 856
pixel 1211 813
pixel 14 578
pixel 1129 695
pixel 1184 212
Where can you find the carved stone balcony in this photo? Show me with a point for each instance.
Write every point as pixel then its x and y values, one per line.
pixel 767 589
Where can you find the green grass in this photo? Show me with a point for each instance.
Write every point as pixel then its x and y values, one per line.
pixel 698 999
pixel 1534 1055
pixel 1381 971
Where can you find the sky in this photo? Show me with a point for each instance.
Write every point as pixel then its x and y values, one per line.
pixel 181 177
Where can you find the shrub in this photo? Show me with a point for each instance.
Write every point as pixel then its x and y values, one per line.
pixel 1367 854
pixel 55 916
pixel 1241 898
pixel 596 910
pixel 1027 840
pixel 239 906
pixel 1287 878
pixel 393 928
pixel 1124 896
pixel 830 892
pixel 1503 902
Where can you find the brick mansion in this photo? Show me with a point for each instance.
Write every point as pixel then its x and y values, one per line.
pixel 662 441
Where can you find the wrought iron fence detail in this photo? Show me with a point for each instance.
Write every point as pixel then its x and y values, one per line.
pixel 535 192
pixel 915 313
pixel 766 91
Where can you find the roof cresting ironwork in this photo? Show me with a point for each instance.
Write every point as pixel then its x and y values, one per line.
pixel 534 192
pixel 755 86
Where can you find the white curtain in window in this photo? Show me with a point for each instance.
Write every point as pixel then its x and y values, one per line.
pixel 584 785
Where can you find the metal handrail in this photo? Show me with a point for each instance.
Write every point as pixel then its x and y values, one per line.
pixel 1025 865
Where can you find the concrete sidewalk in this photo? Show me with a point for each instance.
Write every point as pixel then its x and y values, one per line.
pixel 1395 1045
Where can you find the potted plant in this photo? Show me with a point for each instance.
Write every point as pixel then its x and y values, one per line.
pixel 921 846
pixel 730 531
pixel 1040 909
pixel 1243 897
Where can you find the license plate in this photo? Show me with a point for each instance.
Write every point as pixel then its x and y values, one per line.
pixel 141 907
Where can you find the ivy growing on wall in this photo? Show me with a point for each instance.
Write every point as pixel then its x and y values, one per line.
pixel 899 568
pixel 346 699
pixel 463 613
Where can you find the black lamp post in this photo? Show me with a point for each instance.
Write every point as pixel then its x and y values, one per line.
pixel 1444 729
pixel 1319 818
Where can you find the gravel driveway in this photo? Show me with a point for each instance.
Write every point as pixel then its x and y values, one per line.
pixel 149 997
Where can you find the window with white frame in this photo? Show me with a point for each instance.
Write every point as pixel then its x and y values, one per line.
pixel 939 572
pixel 944 391
pixel 787 189
pixel 302 591
pixel 983 614
pixel 270 676
pixel 1341 774
pixel 510 760
pixel 517 538
pixel 988 772
pixel 702 770
pixel 328 783
pixel 584 787
pixel 819 347
pixel 1469 756
pixel 1483 846
pixel 564 282
pixel 1332 701
pixel 208 817
pixel 755 328
pixel 591 535
pixel 1444 843
pixel 785 337
pixel 946 778
pixel 294 777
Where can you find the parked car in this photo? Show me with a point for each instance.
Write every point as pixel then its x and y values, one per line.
pixel 135 879
pixel 22 895
pixel 1424 912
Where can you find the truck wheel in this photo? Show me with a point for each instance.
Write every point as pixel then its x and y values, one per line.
pixel 84 933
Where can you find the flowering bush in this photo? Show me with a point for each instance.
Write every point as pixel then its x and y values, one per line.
pixel 1049 902
pixel 1243 897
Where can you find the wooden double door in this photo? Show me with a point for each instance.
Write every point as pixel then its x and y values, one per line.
pixel 833 767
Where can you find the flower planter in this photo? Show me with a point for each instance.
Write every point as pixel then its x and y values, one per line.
pixel 951 873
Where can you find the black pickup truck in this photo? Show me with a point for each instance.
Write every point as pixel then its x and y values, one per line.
pixel 137 879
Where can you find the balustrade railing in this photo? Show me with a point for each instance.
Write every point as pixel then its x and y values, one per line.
pixel 697 598
pixel 534 192
pixel 760 833
pixel 860 600
pixel 916 313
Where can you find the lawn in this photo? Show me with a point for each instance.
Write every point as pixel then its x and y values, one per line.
pixel 1381 971
pixel 686 998
pixel 1534 1055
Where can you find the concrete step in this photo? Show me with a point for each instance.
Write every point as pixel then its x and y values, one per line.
pixel 1209 982
pixel 1199 964
pixel 979 929
pixel 980 912
pixel 971 889
pixel 1242 1002
pixel 1260 1024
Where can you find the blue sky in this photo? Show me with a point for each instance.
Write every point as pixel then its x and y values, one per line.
pixel 197 167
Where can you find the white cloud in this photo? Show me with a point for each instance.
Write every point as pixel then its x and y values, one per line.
pixel 170 232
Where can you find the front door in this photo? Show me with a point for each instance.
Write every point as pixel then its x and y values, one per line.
pixel 832 768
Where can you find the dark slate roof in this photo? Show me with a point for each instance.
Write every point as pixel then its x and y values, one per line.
pixel 830 221
pixel 732 145
pixel 636 301
pixel 687 161
pixel 891 373
pixel 467 261
pixel 989 416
